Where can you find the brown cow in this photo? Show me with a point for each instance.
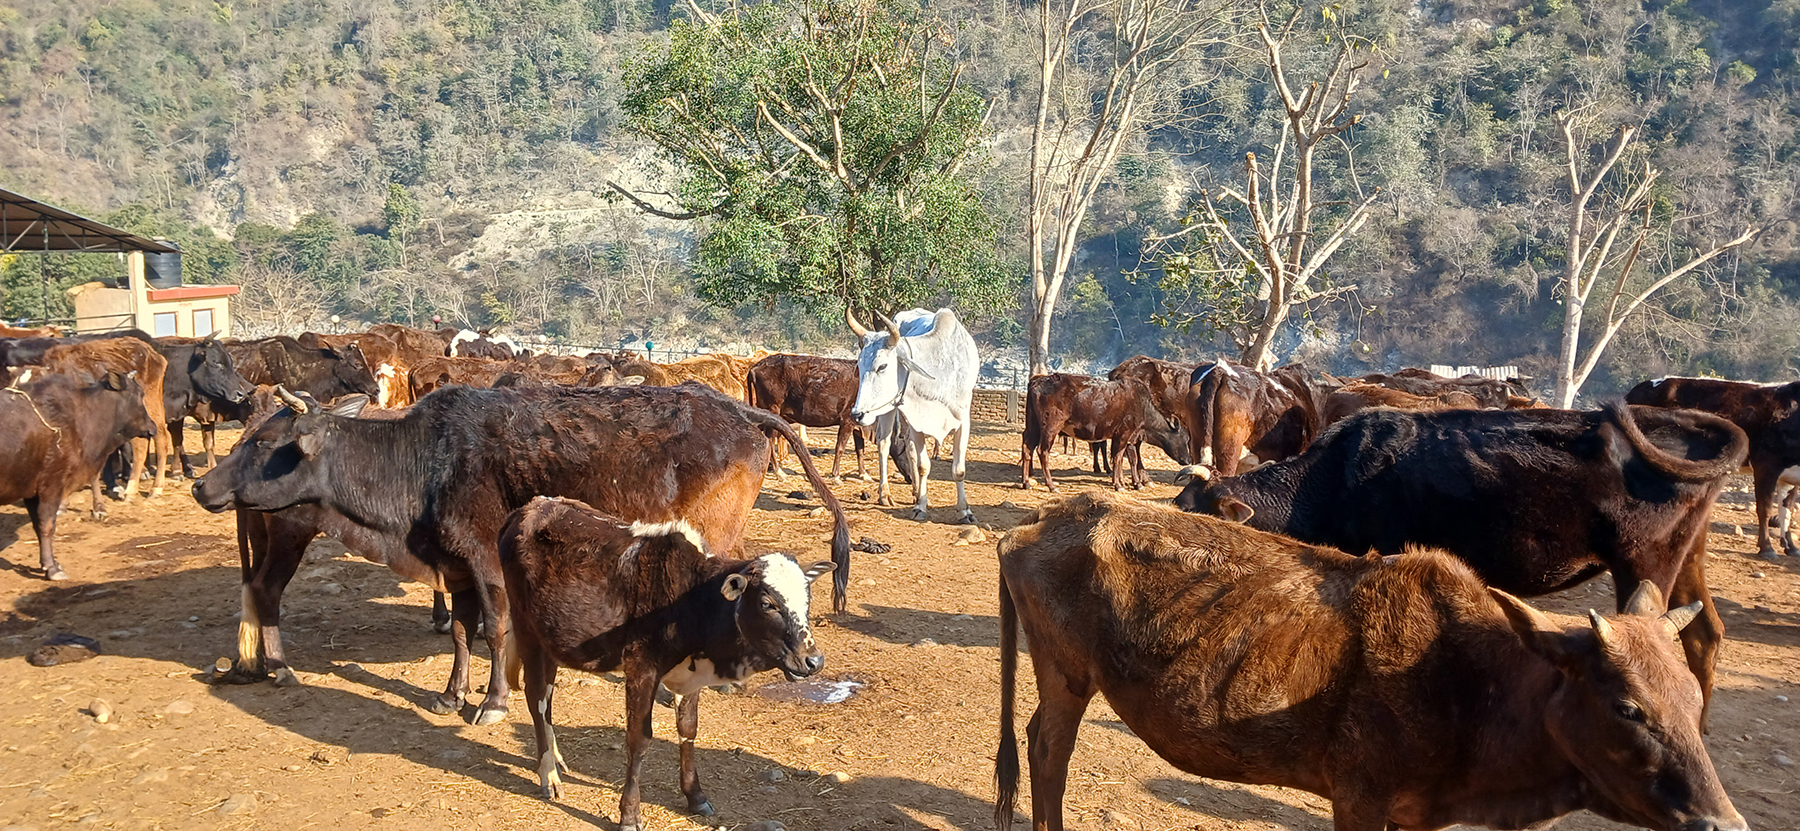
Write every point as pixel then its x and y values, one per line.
pixel 1536 501
pixel 808 391
pixel 432 373
pixel 1167 381
pixel 1400 688
pixel 1490 393
pixel 429 492
pixel 1236 410
pixel 596 593
pixel 1090 409
pixel 96 358
pixel 59 430
pixel 1358 395
pixel 1768 413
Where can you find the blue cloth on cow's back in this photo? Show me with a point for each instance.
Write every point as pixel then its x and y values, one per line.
pixel 915 322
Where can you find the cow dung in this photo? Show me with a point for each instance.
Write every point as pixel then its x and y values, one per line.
pixel 64 648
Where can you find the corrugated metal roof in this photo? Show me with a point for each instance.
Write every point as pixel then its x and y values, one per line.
pixel 29 225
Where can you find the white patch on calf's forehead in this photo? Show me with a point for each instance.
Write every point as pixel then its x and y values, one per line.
pixel 674 526
pixel 784 579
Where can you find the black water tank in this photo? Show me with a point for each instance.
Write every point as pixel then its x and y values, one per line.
pixel 163 271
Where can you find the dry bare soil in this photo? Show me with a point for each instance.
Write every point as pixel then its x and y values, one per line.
pixel 157 585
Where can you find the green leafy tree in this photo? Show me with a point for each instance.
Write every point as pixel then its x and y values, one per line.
pixel 825 146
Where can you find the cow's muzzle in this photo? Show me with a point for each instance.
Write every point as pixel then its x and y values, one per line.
pixel 1716 824
pixel 807 665
pixel 213 503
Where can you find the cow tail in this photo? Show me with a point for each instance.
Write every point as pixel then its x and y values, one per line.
pixel 1686 470
pixel 840 532
pixel 1006 756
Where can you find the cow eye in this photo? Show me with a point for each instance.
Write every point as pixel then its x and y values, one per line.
pixel 769 605
pixel 1629 711
pixel 882 368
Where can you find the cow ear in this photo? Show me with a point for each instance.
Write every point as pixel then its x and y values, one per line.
pixel 734 586
pixel 114 381
pixel 1235 511
pixel 311 441
pixel 631 381
pixel 819 568
pixel 350 406
pixel 913 366
pixel 1540 634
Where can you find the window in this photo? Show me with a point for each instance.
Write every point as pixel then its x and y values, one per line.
pixel 203 325
pixel 165 324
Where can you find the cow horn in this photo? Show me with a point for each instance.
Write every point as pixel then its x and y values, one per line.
pixel 290 399
pixel 1679 617
pixel 1646 601
pixel 893 330
pixel 1603 631
pixel 854 326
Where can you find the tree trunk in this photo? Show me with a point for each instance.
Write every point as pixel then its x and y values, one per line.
pixel 1571 343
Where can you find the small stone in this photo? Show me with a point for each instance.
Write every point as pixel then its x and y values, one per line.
pixel 816 513
pixel 1182 800
pixel 149 777
pixel 765 825
pixel 179 707
pixel 1009 506
pixel 237 804
pixel 587 682
pixel 290 768
pixel 100 710
pixel 331 588
pixel 962 617
pixel 452 755
pixel 924 642
pixel 1783 760
pixel 381 813
pixel 798 494
pixel 1781 698
pixel 836 777
pixel 1757 575
pixel 805 741
pixel 121 634
pixel 772 775
pixel 193 618
pixel 1763 609
pixel 222 666
pixel 970 535
pixel 768 790
pixel 864 496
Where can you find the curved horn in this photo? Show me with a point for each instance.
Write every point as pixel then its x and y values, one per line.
pixel 893 330
pixel 290 399
pixel 854 326
pixel 1603 631
pixel 1679 617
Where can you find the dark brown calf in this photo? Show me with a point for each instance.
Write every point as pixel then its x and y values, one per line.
pixel 1090 409
pixel 592 592
pixel 1234 409
pixel 1400 688
pixel 1768 413
pixel 808 391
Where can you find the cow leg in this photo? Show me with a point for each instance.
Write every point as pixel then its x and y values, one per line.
pixel 1139 477
pixel 497 619
pixel 1025 453
pixel 884 439
pixel 857 441
pixel 98 511
pixel 140 451
pixel 920 460
pixel 1787 515
pixel 640 694
pixel 1050 740
pixel 1120 457
pixel 1764 477
pixel 164 448
pixel 43 521
pixel 837 455
pixel 283 549
pixel 687 725
pixel 540 687
pixel 1701 639
pixel 959 469
pixel 440 613
pixel 465 606
pixel 206 442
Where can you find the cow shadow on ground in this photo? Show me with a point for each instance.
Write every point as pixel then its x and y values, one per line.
pixel 188 616
pixel 904 626
pixel 1764 626
pixel 1233 804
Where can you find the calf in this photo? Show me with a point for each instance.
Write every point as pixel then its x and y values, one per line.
pixel 808 391
pixel 200 371
pixel 592 592
pixel 472 344
pixel 427 493
pixel 1359 395
pixel 133 352
pixel 1535 500
pixel 59 430
pixel 1768 413
pixel 1400 688
pixel 1489 393
pixel 1089 409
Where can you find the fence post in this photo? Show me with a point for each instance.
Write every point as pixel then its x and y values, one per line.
pixel 1012 406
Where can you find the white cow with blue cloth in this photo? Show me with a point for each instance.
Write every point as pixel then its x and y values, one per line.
pixel 922 367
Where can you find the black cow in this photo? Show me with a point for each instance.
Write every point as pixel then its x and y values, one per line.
pixel 593 592
pixel 199 372
pixel 427 493
pixel 325 372
pixel 1535 500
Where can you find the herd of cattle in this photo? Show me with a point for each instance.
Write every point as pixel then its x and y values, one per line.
pixel 1331 604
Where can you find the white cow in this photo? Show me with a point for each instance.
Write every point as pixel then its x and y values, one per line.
pixel 922 367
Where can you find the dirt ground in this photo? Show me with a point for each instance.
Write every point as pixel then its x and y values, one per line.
pixel 157 585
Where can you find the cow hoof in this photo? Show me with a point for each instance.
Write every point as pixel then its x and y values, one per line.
pixel 631 826
pixel 442 627
pixel 99 516
pixel 552 789
pixel 704 809
pixel 885 502
pixel 918 515
pixel 968 518
pixel 1766 553
pixel 664 696
pixel 489 715
pixel 56 574
pixel 443 705
pixel 285 677
pixel 239 676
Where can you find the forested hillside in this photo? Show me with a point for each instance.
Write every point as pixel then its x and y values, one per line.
pixel 400 159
